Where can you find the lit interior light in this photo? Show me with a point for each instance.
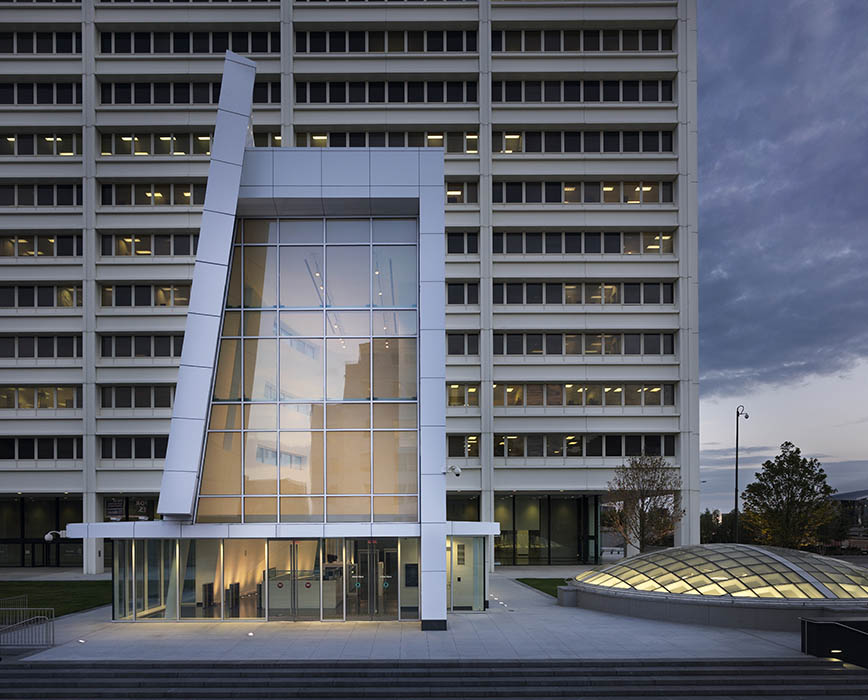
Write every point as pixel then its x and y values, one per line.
pixel 510 389
pixel 513 136
pixel 435 137
pixel 655 389
pixel 512 437
pixel 453 386
pixel 568 386
pixel 51 138
pixel 276 138
pixel 569 189
pixel 632 201
pixel 835 651
pixel 186 194
pixel 454 193
pixel 472 389
pixel 10 138
pixel 204 138
pixel 126 138
pixel 320 138
pixel 66 153
pixel 608 188
pixel 653 247
pixel 472 137
pixel 165 138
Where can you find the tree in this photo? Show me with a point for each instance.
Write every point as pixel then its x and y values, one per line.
pixel 788 503
pixel 646 499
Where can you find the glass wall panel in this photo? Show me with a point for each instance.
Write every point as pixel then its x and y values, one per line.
pixel 531 530
pixel 260 276
pixel 394 231
pixel 227 385
pixel 219 510
pixel 346 323
pixel 395 509
pixel 261 416
pixel 333 580
pixel 243 578
pixel 200 569
pixel 260 323
pixel 348 367
pixel 348 509
pixel 465 572
pixel 301 323
pixel 233 295
pixel 395 368
pixel 301 416
pixel 260 463
pixel 348 462
pixel 348 276
pixel 301 231
pixel 260 231
pixel 156 580
pixel 395 323
pixel 504 544
pixel 395 282
pixel 301 368
pixel 294 579
pixel 260 509
pixel 221 471
pixel 301 509
pixel 408 550
pixel 348 415
pixel 348 231
pixel 301 463
pixel 225 417
pixel 122 580
pixel 565 530
pixel 395 462
pixel 395 415
pixel 301 276
pixel 260 370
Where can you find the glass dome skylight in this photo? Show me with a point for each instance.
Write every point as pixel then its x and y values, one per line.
pixel 737 570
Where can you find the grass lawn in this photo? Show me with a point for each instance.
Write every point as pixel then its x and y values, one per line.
pixel 64 596
pixel 546 585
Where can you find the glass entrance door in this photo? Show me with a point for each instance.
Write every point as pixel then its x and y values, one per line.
pixel 294 580
pixel 372 579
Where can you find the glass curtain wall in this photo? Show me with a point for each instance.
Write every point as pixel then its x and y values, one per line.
pixel 279 579
pixel 542 529
pixel 314 410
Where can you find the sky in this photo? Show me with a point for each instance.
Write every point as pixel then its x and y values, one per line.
pixel 783 237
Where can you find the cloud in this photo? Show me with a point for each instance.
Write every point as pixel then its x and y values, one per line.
pixel 783 108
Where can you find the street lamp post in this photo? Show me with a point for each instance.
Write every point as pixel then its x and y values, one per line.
pixel 739 412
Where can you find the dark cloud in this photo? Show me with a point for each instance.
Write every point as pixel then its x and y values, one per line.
pixel 783 185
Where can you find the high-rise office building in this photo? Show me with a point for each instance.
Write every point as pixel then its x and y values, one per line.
pixel 569 131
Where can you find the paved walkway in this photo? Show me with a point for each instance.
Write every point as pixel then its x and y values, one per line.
pixel 50 573
pixel 522 624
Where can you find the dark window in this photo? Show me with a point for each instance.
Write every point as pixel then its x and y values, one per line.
pixel 612 243
pixel 435 91
pixel 594 445
pixel 572 242
pixel 553 192
pixel 554 293
pixel 415 91
pixel 613 446
pixel 652 445
pixel 652 343
pixel 240 42
pixel 651 292
pixel 45 296
pixel 632 294
pixel 572 91
pixel 142 345
pixel 357 42
pixel 668 344
pixel 611 91
pixel 123 448
pixel 454 41
pixel 514 293
pixel 435 41
pixel 553 141
pixel 337 92
pixel 533 293
pixel 611 141
pixel 554 344
pixel 513 91
pixel 455 293
pixel 592 90
pixel 455 343
pixel 650 92
pixel 593 243
pixel 377 91
pixel 396 91
pixel 632 445
pixel 514 344
pixel 497 344
pixel 143 447
pixel 317 92
pixel 534 344
pixel 533 91
pixel 533 242
pixel 143 295
pixel 649 40
pixel 650 142
pixel 454 91
pixel 45 346
pixel 472 344
pixel 631 90
pixel 123 346
pixel 180 42
pixel 553 243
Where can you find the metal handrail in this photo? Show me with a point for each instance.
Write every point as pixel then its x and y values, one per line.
pixel 840 640
pixel 15 601
pixel 26 627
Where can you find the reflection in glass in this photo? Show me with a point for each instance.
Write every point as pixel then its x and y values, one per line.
pixel 260 370
pixel 348 415
pixel 348 231
pixel 260 276
pixel 348 509
pixel 260 323
pixel 348 368
pixel 395 462
pixel 227 385
pixel 261 416
pixel 243 572
pixel 200 567
pixel 395 368
pixel 348 463
pixel 394 276
pixel 260 509
pixel 394 230
pixel 301 276
pixel 301 231
pixel 395 323
pixel 219 510
pixel 301 416
pixel 333 580
pixel 301 462
pixel 231 323
pixel 301 509
pixel 394 509
pixel 260 231
pixel 395 415
pixel 260 463
pixel 347 280
pixel 303 323
pixel 225 417
pixel 233 296
pixel 301 368
pixel 221 470
pixel 344 323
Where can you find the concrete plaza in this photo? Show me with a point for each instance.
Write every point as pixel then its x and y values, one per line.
pixel 522 623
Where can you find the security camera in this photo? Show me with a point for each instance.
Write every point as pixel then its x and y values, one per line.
pixel 455 470
pixel 54 535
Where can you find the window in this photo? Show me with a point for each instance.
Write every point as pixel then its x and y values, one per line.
pixel 580 393
pixel 375 41
pixel 455 142
pixel 588 343
pixel 153 194
pixel 40 144
pixel 644 193
pixel 569 445
pixel 40 93
pixel 180 93
pixel 45 346
pixel 27 448
pixel 462 394
pixel 571 292
pixel 157 144
pixel 462 446
pixel 462 293
pixel 462 343
pixel 582 91
pixel 134 447
pixel 40 397
pixel 462 243
pixel 149 244
pixel 462 193
pixel 115 346
pixel 25 244
pixel 577 242
pixel 335 92
pixel 26 296
pixel 139 396
pixel 574 40
pixel 145 295
pixel 40 195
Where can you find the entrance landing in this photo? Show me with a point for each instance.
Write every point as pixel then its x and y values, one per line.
pixel 521 624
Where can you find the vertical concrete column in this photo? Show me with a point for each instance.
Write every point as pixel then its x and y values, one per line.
pixel 486 446
pixel 287 89
pixel 688 281
pixel 91 502
pixel 432 379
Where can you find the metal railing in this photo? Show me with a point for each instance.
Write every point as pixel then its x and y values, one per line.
pixel 26 627
pixel 15 601
pixel 842 639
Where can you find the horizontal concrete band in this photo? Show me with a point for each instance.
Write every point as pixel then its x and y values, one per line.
pixel 165 529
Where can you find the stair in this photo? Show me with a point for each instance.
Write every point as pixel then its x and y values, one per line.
pixel 452 680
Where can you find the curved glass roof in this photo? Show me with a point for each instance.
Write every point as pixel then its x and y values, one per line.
pixel 737 570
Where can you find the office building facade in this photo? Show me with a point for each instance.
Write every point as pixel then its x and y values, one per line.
pixel 569 131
